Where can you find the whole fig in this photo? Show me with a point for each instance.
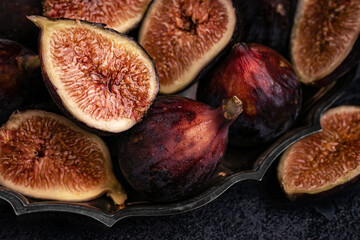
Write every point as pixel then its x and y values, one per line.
pixel 177 147
pixel 266 84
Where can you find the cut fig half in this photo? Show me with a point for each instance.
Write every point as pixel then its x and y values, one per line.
pixel 44 155
pixel 326 160
pixel 185 38
pixel 325 35
pixel 120 15
pixel 100 77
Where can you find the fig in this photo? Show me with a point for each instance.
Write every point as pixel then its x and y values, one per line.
pixel 269 22
pixel 99 77
pixel 177 147
pixel 14 24
pixel 325 39
pixel 326 160
pixel 266 84
pixel 17 64
pixel 44 155
pixel 120 15
pixel 187 37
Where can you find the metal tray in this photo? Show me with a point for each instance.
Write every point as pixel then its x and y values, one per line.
pixel 237 165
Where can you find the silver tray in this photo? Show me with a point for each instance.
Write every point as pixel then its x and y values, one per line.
pixel 237 165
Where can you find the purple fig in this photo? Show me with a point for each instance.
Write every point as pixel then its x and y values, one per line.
pixel 16 66
pixel 177 147
pixel 266 84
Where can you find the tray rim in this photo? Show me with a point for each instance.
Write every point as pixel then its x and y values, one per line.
pixel 329 95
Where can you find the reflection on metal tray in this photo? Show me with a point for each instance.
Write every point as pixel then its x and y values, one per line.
pixel 237 165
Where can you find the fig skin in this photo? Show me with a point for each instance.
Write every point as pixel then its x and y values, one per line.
pixel 44 155
pixel 266 84
pixel 14 24
pixel 324 163
pixel 63 101
pixel 177 147
pixel 17 77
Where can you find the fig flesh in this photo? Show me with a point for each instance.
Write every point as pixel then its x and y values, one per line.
pixel 17 64
pixel 102 78
pixel 44 155
pixel 120 15
pixel 184 37
pixel 326 160
pixel 325 35
pixel 266 84
pixel 177 147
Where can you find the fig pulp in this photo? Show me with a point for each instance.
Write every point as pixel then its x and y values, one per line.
pixel 120 15
pixel 177 147
pixel 325 39
pixel 102 78
pixel 44 155
pixel 16 76
pixel 266 84
pixel 184 37
pixel 326 160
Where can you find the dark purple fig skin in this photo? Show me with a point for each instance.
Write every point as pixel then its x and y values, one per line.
pixel 269 22
pixel 14 24
pixel 17 64
pixel 266 84
pixel 175 149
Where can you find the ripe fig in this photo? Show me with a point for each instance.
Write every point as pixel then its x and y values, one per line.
pixel 120 15
pixel 102 78
pixel 325 40
pixel 177 147
pixel 44 155
pixel 186 37
pixel 266 84
pixel 326 160
pixel 16 76
pixel 14 24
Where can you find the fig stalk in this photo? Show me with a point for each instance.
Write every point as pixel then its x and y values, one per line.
pixel 232 108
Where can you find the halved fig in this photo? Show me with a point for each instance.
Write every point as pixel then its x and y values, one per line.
pixel 102 78
pixel 120 15
pixel 44 155
pixel 184 36
pixel 325 35
pixel 324 160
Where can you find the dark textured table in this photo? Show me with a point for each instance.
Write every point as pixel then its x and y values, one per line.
pixel 248 210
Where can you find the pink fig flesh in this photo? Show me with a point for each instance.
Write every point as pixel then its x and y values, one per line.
pixel 266 84
pixel 177 147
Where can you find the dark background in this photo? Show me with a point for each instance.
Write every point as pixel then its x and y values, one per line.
pixel 248 210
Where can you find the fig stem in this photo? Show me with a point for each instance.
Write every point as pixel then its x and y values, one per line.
pixel 28 62
pixel 232 107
